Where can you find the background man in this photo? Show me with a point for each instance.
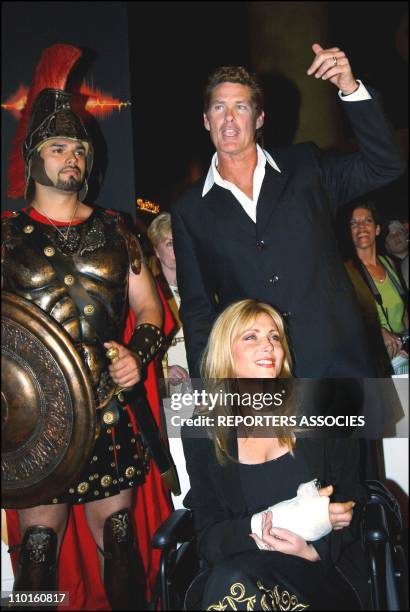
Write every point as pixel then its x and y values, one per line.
pixel 261 226
pixel 397 245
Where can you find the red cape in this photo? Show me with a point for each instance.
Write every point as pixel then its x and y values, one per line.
pixel 78 565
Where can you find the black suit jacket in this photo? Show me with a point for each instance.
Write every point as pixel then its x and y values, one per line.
pixel 289 258
pixel 221 518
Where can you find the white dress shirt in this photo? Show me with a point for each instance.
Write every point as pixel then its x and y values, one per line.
pixel 248 204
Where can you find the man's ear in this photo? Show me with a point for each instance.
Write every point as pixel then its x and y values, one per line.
pixel 206 123
pixel 260 120
pixel 378 230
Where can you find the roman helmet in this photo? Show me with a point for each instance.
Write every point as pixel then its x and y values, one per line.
pixel 48 114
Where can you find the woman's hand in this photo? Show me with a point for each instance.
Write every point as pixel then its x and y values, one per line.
pixel 391 342
pixel 340 513
pixel 283 540
pixel 176 374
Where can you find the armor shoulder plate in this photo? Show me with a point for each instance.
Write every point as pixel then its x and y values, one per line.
pixel 8 233
pixel 131 241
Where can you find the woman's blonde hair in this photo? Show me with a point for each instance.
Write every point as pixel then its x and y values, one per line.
pixel 217 360
pixel 218 363
pixel 159 227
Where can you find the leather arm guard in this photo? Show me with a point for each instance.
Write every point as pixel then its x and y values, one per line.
pixel 145 342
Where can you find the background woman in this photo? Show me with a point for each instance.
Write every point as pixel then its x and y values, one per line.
pixel 381 296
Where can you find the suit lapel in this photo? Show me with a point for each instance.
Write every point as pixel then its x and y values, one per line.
pixel 270 195
pixel 228 210
pixel 230 213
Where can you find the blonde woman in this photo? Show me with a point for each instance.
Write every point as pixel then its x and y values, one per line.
pixel 164 269
pixel 234 478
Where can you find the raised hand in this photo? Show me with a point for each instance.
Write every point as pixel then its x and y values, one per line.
pixel 333 65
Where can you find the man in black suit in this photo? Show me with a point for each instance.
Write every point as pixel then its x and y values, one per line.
pixel 260 225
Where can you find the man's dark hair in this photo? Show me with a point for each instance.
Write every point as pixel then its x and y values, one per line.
pixel 236 74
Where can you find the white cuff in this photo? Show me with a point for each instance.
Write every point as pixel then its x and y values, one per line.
pixel 360 94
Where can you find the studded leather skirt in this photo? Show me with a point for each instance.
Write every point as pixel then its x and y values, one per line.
pixel 118 461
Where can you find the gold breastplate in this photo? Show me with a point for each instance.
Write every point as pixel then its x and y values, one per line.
pixel 97 255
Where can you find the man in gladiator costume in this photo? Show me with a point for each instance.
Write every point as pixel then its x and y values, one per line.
pixel 82 266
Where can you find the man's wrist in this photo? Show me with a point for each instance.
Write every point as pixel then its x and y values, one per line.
pixel 351 90
pixel 145 342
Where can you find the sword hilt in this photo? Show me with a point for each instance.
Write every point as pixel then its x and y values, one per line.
pixel 172 480
pixel 113 355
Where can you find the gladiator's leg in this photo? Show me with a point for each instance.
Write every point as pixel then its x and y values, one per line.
pixel 124 575
pixel 37 563
pixel 121 566
pixel 43 529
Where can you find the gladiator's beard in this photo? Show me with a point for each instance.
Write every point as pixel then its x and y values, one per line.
pixel 70 183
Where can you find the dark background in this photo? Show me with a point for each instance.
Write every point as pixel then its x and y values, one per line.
pixel 154 148
pixel 185 41
pixel 100 29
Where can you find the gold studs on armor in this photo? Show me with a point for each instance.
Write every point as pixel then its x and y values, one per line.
pixel 69 280
pixel 109 417
pixel 49 251
pixel 27 229
pixel 89 310
pixel 130 471
pixel 106 481
pixel 83 487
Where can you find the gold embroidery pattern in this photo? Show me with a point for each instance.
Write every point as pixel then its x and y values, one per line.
pixel 277 600
pixel 272 599
pixel 236 596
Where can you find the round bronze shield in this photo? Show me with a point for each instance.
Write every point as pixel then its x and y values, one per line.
pixel 47 406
